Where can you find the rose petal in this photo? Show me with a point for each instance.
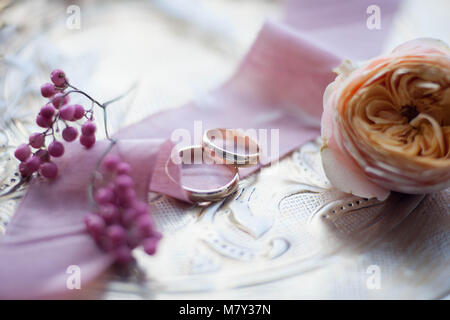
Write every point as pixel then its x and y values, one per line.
pixel 346 176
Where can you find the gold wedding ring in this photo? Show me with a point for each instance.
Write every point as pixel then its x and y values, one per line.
pixel 228 147
pixel 218 142
pixel 209 195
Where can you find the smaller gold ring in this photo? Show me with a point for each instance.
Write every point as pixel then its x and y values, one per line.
pixel 231 157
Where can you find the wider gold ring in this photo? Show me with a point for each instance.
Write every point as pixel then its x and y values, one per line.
pixel 207 195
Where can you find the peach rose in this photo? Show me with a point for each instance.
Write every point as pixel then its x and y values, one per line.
pixel 386 124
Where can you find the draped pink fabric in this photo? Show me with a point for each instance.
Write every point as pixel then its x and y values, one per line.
pixel 279 85
pixel 341 27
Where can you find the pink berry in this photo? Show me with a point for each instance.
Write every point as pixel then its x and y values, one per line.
pixel 88 128
pixel 145 225
pixel 94 224
pixel 48 90
pixel 67 112
pixel 43 155
pixel 123 255
pixel 69 134
pixel 43 122
pixel 141 207
pixel 33 163
pixel 59 100
pixel 24 170
pixel 47 111
pixel 128 216
pixel 104 195
pixel 56 149
pixel 58 77
pixel 156 235
pixel 123 168
pixel 36 140
pixel 109 212
pixel 87 141
pixel 22 152
pixel 123 182
pixel 134 239
pixel 127 198
pixel 79 112
pixel 116 234
pixel 111 162
pixel 150 245
pixel 49 170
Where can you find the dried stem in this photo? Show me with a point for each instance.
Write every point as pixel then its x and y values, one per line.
pixel 97 167
pixel 14 188
pixel 105 104
pixel 101 105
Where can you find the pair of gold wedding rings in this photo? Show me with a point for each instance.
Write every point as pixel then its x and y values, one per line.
pixel 228 147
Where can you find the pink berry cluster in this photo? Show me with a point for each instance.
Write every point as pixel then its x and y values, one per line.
pixel 121 222
pixel 57 111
